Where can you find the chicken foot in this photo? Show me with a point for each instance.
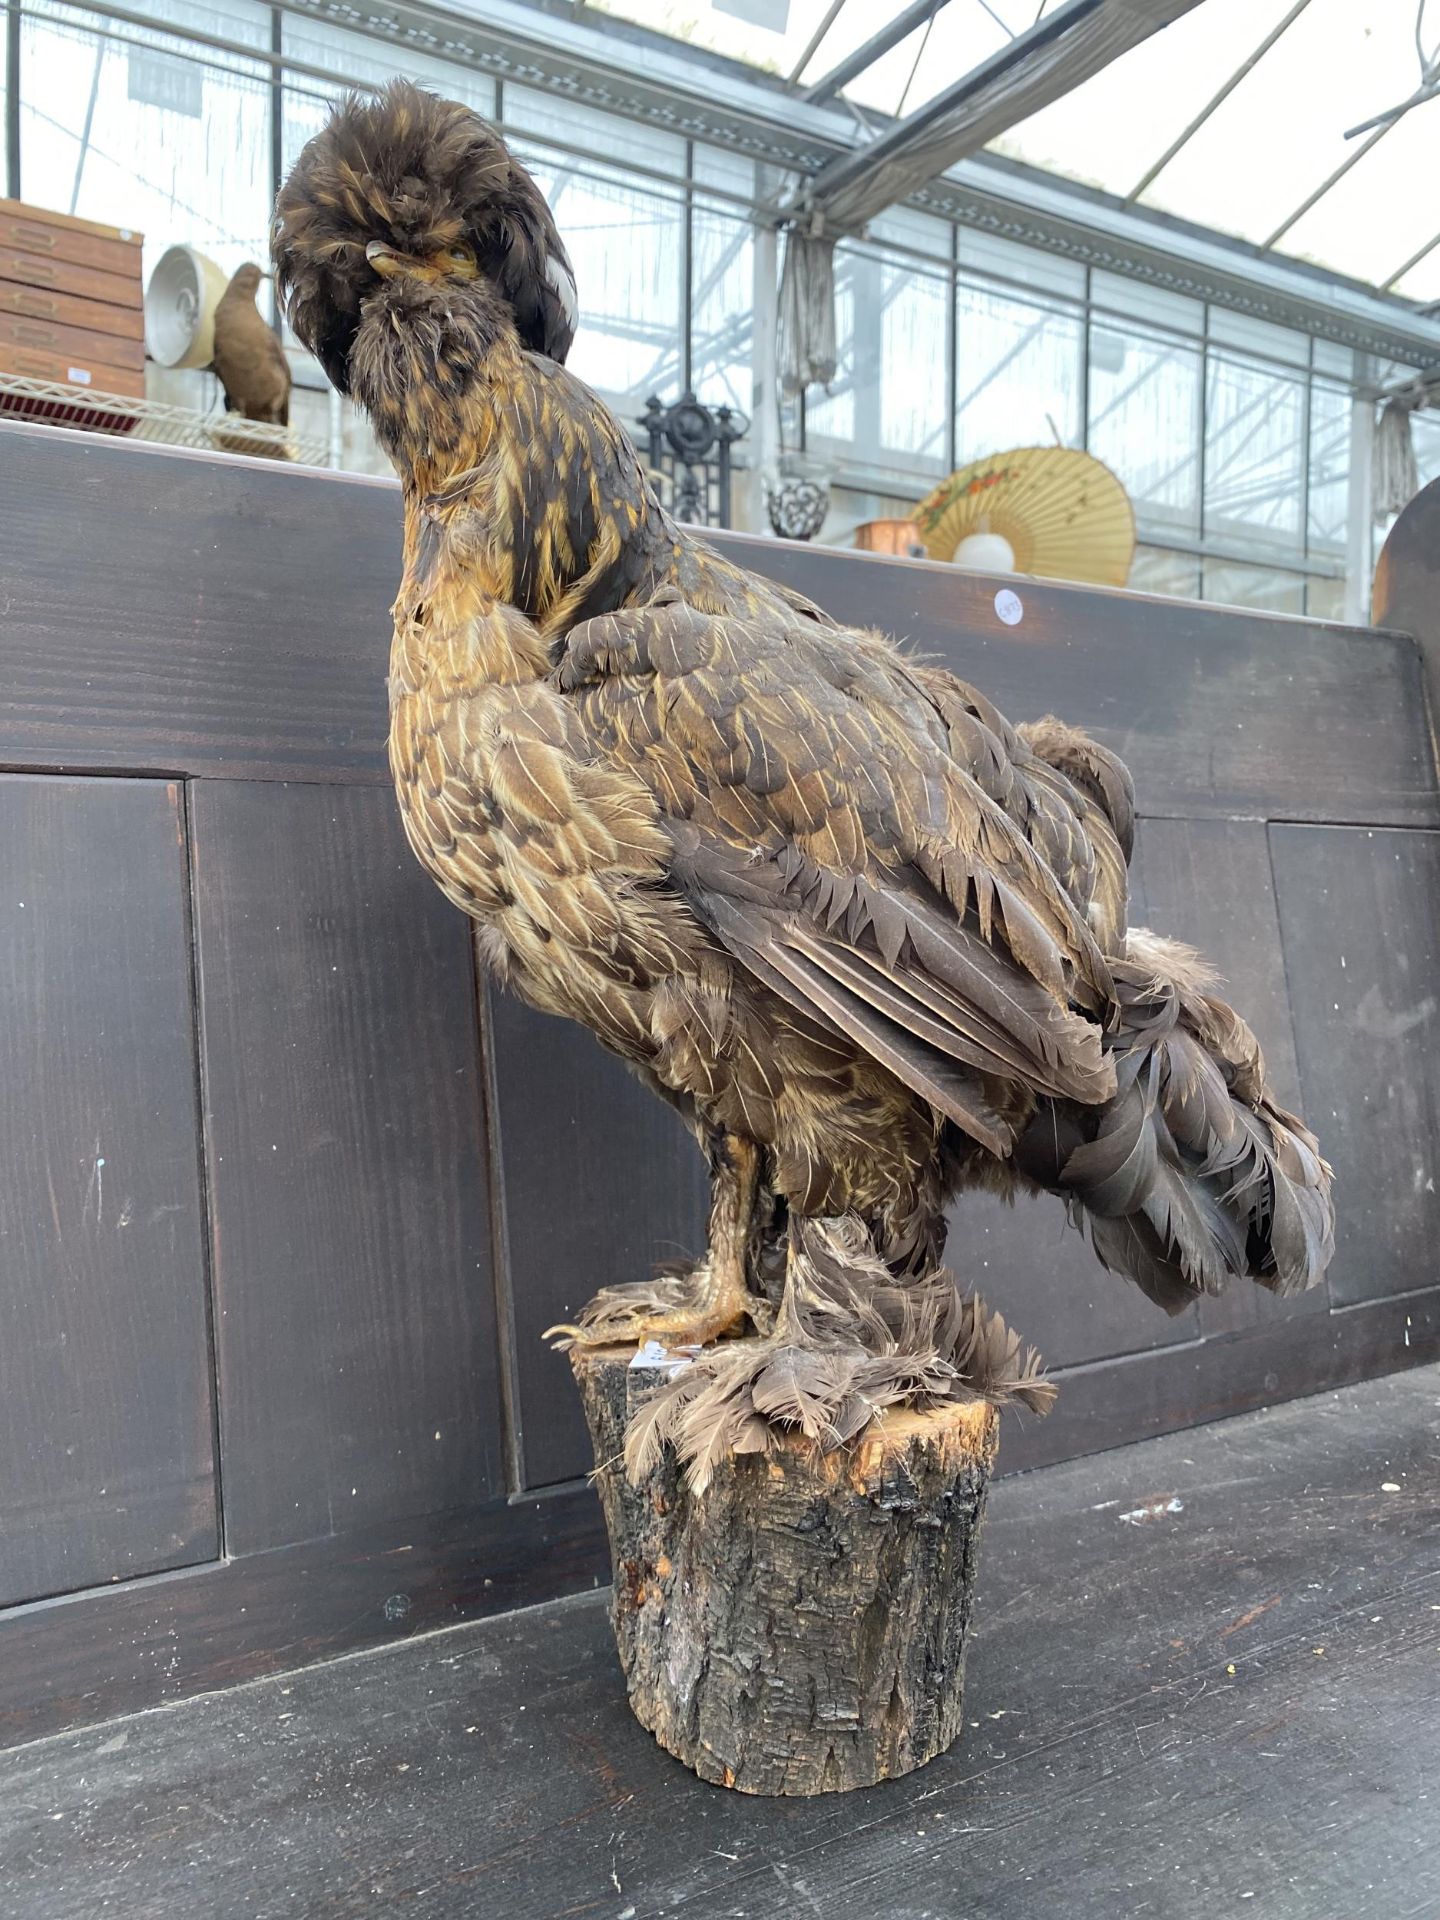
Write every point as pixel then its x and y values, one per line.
pixel 695 1308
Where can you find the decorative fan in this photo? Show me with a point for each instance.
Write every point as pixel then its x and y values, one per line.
pixel 1052 511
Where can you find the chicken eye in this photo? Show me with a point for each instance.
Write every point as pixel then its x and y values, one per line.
pixel 461 256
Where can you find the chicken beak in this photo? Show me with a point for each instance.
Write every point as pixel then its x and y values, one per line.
pixel 386 262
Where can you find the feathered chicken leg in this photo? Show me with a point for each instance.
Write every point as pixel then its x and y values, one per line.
pixel 695 1308
pixel 849 1340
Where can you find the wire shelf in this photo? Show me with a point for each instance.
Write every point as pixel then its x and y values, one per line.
pixel 59 405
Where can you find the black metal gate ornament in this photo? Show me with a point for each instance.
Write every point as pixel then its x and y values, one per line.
pixel 690 444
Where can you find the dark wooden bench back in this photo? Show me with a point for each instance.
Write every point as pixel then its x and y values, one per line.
pixel 289 1197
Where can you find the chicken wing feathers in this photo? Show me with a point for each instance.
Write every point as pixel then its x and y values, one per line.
pixel 853 833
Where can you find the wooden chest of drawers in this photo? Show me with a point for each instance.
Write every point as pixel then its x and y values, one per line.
pixel 71 302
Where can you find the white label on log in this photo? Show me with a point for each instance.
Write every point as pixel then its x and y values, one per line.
pixel 656 1357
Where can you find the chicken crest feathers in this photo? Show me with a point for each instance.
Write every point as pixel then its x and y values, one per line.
pixel 420 174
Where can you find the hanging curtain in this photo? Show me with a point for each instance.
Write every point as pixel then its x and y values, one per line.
pixel 1395 478
pixel 807 312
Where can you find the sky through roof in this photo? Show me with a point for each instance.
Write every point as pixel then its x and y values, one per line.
pixel 1248 171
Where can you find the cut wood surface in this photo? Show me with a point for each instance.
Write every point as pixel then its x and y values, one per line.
pixel 799 1627
pixel 107 1468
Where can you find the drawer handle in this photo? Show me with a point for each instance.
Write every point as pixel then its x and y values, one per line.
pixel 26 302
pixel 40 368
pixel 35 236
pixel 36 336
pixel 32 269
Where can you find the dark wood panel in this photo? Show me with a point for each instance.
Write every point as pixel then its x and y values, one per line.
pixel 1042 1274
pixel 226 616
pixel 1206 882
pixel 211 619
pixel 1139 1395
pixel 106 1460
pixel 602 1184
pixel 70 1663
pixel 355 1325
pixel 1360 912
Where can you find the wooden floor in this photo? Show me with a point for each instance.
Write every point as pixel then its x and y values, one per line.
pixel 1206 1682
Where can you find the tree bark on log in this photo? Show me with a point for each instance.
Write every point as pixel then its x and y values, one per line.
pixel 800 1626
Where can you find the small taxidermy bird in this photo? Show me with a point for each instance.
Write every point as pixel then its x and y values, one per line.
pixel 866 936
pixel 249 359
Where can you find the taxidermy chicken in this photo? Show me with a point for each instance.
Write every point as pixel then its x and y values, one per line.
pixel 249 359
pixel 867 937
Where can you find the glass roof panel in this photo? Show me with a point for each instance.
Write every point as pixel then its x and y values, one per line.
pixel 959 37
pixel 1108 132
pixel 1375 218
pixel 770 34
pixel 1282 132
pixel 1277 137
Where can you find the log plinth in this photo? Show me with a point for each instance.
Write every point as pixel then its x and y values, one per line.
pixel 800 1626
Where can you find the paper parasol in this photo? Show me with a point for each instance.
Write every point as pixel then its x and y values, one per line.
pixel 1064 514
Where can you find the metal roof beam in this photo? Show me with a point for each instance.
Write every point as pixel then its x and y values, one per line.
pixel 1424 92
pixel 1421 253
pixel 832 14
pixel 1049 59
pixel 1216 100
pixel 890 35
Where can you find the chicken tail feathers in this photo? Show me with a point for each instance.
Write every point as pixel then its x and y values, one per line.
pixel 1192 1174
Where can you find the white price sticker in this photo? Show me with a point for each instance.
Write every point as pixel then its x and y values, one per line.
pixel 1009 607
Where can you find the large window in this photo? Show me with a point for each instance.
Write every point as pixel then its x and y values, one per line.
pixel 149 130
pixel 355 59
pixel 1255 452
pixel 722 280
pixel 1018 372
pixel 1330 409
pixel 1268 589
pixel 1231 435
pixel 625 232
pixel 887 406
pixel 1162 570
pixel 1144 393
pixel 1425 430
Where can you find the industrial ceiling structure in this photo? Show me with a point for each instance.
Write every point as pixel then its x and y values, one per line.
pixel 1271 156
pixel 1306 128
